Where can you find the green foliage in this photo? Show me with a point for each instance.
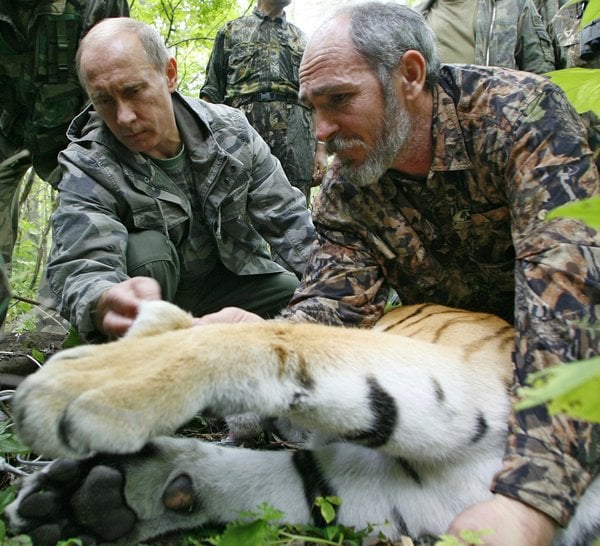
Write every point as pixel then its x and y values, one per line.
pixel 189 29
pixel 591 13
pixel 466 537
pixel 29 256
pixel 6 497
pixel 581 85
pixel 262 528
pixel 587 211
pixel 9 444
pixel 571 389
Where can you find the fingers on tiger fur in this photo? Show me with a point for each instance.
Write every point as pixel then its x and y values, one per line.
pixel 156 317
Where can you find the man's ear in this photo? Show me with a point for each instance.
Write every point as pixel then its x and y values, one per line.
pixel 411 73
pixel 171 74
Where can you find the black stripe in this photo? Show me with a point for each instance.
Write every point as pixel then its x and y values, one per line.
pixel 409 470
pixel 440 395
pixel 314 482
pixel 399 522
pixel 481 428
pixel 385 417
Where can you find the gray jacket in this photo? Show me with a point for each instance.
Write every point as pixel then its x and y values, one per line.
pixel 240 192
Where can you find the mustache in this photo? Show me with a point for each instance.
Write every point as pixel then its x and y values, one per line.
pixel 340 144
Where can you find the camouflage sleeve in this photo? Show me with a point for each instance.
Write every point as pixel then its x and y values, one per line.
pixel 89 241
pixel 277 209
pixel 549 461
pixel 535 52
pixel 343 283
pixel 215 84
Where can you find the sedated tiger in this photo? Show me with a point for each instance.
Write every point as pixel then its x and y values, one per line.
pixel 407 429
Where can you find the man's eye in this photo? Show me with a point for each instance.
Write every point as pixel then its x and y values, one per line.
pixel 102 102
pixel 338 99
pixel 133 91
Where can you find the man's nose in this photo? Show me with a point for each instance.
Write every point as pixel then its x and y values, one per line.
pixel 325 127
pixel 125 113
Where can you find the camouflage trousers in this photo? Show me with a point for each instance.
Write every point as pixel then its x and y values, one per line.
pixel 288 130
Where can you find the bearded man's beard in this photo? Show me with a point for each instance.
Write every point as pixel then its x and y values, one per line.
pixel 390 140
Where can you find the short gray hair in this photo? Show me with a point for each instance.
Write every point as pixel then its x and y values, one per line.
pixel 382 32
pixel 156 51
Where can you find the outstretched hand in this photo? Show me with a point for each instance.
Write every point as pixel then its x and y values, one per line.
pixel 118 306
pixel 512 523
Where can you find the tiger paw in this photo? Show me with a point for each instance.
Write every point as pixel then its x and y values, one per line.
pixel 87 499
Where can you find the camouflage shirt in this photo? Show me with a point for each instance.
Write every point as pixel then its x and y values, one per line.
pixel 511 34
pixel 507 148
pixel 243 201
pixel 254 66
pixel 39 90
pixel 254 54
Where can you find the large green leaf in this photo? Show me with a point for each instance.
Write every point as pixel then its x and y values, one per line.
pixel 587 211
pixel 581 85
pixel 572 389
pixel 591 13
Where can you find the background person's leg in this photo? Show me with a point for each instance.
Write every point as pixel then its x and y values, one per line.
pixel 13 166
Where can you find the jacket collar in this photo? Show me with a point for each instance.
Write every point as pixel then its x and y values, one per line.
pixel 449 148
pixel 264 16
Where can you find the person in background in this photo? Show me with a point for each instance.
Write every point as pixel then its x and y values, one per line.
pixel 164 196
pixel 254 67
pixel 579 47
pixel 39 92
pixel 507 33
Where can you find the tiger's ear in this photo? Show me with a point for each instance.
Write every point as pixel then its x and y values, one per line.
pixel 156 317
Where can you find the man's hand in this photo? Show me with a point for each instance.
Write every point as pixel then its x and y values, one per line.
pixel 513 523
pixel 227 315
pixel 118 306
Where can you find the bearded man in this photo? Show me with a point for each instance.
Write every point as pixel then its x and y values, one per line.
pixel 440 189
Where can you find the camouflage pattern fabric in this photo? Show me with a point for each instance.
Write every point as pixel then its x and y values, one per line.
pixel 508 148
pixel 246 206
pixel 256 55
pixel 39 91
pixel 288 130
pixel 566 25
pixel 510 34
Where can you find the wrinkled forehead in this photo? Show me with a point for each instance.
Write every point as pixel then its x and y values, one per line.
pixel 332 67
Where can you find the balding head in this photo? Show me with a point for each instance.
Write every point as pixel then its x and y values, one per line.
pixel 106 32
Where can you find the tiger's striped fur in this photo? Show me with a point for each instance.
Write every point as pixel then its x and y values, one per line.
pixel 408 431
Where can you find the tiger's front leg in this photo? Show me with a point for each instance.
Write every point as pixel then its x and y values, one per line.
pixel 180 484
pixel 409 398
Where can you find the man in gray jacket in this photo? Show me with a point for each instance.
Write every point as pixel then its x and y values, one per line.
pixel 164 196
